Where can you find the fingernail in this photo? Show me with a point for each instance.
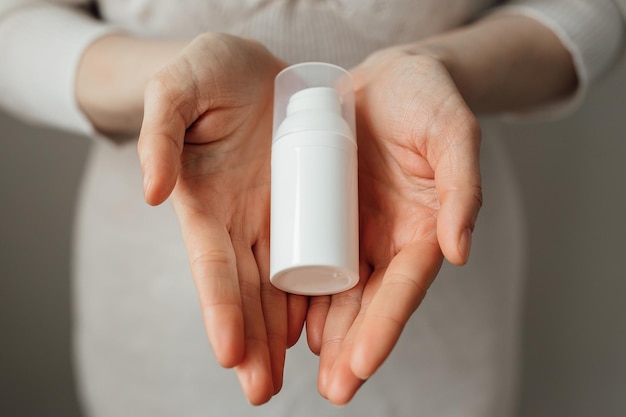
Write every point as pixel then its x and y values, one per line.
pixel 363 376
pixel 147 184
pixel 465 242
pixel 322 383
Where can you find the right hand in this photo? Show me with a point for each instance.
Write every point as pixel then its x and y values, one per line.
pixel 205 140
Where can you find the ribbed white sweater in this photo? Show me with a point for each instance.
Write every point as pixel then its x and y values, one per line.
pixel 140 344
pixel 41 42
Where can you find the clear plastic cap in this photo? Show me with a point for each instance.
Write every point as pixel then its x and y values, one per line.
pixel 310 86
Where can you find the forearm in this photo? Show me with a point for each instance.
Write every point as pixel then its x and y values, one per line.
pixel 111 78
pixel 504 63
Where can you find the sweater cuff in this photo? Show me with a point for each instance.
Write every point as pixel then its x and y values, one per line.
pixel 41 47
pixel 592 31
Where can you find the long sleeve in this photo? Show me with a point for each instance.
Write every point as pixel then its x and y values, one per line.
pixel 41 44
pixel 594 32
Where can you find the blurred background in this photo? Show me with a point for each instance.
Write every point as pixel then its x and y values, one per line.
pixel 573 178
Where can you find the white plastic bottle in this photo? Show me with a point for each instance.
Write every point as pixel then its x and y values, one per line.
pixel 314 242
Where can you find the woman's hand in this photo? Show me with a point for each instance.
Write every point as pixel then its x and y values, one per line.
pixel 420 193
pixel 205 140
pixel 419 178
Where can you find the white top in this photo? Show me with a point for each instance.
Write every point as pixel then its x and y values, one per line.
pixel 140 344
pixel 41 42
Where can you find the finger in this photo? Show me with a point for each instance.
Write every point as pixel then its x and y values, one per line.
pixel 214 270
pixel 297 306
pixel 344 308
pixel 255 370
pixel 403 287
pixel 274 305
pixel 458 183
pixel 315 319
pixel 318 312
pixel 377 329
pixel 161 139
pixel 342 383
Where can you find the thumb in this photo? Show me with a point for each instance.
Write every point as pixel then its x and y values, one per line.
pixel 162 136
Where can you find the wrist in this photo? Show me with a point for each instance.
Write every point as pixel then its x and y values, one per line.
pixel 503 63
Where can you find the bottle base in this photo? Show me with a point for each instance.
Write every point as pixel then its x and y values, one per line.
pixel 315 280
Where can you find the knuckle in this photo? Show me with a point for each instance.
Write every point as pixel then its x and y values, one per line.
pixel 478 196
pixel 249 290
pixel 219 261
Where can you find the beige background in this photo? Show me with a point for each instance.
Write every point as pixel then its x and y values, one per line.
pixel 573 176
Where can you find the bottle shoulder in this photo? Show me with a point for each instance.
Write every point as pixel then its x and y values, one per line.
pixel 305 121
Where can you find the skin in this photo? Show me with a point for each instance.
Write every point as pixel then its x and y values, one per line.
pixel 419 177
pixel 205 142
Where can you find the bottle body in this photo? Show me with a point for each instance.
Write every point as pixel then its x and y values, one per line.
pixel 314 224
pixel 314 216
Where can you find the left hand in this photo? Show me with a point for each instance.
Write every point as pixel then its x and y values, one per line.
pixel 419 192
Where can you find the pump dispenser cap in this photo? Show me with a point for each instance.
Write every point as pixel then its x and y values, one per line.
pixel 315 98
pixel 314 86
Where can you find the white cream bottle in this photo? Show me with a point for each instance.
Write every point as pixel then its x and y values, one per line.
pixel 314 236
